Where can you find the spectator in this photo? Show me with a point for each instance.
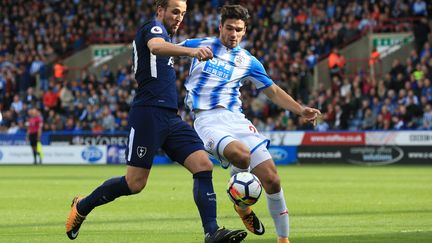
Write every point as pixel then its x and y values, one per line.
pixel 59 71
pixel 50 99
pixel 374 58
pixel 66 98
pixel 107 74
pixel 17 104
pixel 336 64
pixel 421 32
pixel 427 117
pixel 13 129
pixel 108 121
pixel 288 37
pixel 368 120
pixel 419 8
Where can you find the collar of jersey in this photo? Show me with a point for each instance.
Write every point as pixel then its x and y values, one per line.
pixel 231 49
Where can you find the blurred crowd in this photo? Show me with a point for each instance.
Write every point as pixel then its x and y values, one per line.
pixel 288 37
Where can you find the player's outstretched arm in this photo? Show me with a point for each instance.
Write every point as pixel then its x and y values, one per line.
pixel 158 46
pixel 284 100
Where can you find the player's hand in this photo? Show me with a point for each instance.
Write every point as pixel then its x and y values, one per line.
pixel 311 114
pixel 203 53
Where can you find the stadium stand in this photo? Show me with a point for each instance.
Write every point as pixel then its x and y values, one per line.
pixel 289 37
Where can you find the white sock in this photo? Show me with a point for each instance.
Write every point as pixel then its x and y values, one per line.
pixel 234 170
pixel 279 212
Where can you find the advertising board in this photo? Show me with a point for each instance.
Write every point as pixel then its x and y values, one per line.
pixel 54 155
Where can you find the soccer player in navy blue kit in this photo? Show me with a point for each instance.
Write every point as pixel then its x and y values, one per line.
pixel 154 124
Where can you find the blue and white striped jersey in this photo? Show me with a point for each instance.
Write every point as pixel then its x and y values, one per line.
pixel 216 83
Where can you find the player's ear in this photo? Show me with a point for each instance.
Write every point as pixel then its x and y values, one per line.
pixel 220 27
pixel 159 11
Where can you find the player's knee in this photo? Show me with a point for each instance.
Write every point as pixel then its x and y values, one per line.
pixel 271 184
pixel 243 159
pixel 198 161
pixel 136 185
pixel 240 158
pixel 205 165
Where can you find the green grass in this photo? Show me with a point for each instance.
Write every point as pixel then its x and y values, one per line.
pixel 326 203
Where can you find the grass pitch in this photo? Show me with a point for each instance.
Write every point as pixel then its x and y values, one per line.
pixel 326 204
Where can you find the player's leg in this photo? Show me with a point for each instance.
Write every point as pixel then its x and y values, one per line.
pixel 205 197
pixel 235 152
pixel 39 151
pixel 33 143
pixel 34 154
pixel 139 157
pixel 201 168
pixel 267 173
pixel 218 129
pixel 238 154
pixel 105 193
pixel 215 128
pixel 133 182
pixel 184 146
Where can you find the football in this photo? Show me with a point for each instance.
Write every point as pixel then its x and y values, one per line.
pixel 244 189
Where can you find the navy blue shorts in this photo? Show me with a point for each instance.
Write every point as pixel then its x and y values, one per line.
pixel 152 128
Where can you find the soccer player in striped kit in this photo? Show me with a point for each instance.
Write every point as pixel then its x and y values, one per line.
pixel 213 94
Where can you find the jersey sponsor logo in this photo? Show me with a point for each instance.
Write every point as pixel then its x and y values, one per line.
pixel 156 30
pixel 219 68
pixel 141 151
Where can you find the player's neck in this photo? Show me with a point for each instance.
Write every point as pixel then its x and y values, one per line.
pixel 227 48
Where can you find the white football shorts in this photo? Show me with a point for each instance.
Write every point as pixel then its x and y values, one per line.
pixel 218 127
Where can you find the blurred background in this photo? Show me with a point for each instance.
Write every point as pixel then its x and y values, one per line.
pixel 365 64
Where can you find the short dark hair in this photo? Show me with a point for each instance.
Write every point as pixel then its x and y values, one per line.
pixel 234 12
pixel 162 3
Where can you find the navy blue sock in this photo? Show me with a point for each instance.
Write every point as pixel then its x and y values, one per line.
pixel 205 199
pixel 105 193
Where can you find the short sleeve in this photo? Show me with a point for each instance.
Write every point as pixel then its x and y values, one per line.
pixel 258 75
pixel 154 30
pixel 192 43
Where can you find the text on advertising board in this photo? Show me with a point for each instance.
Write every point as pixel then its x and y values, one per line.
pixel 334 138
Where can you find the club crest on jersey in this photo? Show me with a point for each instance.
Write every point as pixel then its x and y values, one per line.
pixel 141 151
pixel 171 62
pixel 239 60
pixel 156 30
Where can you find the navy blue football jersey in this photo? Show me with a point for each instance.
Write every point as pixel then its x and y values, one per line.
pixel 155 74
